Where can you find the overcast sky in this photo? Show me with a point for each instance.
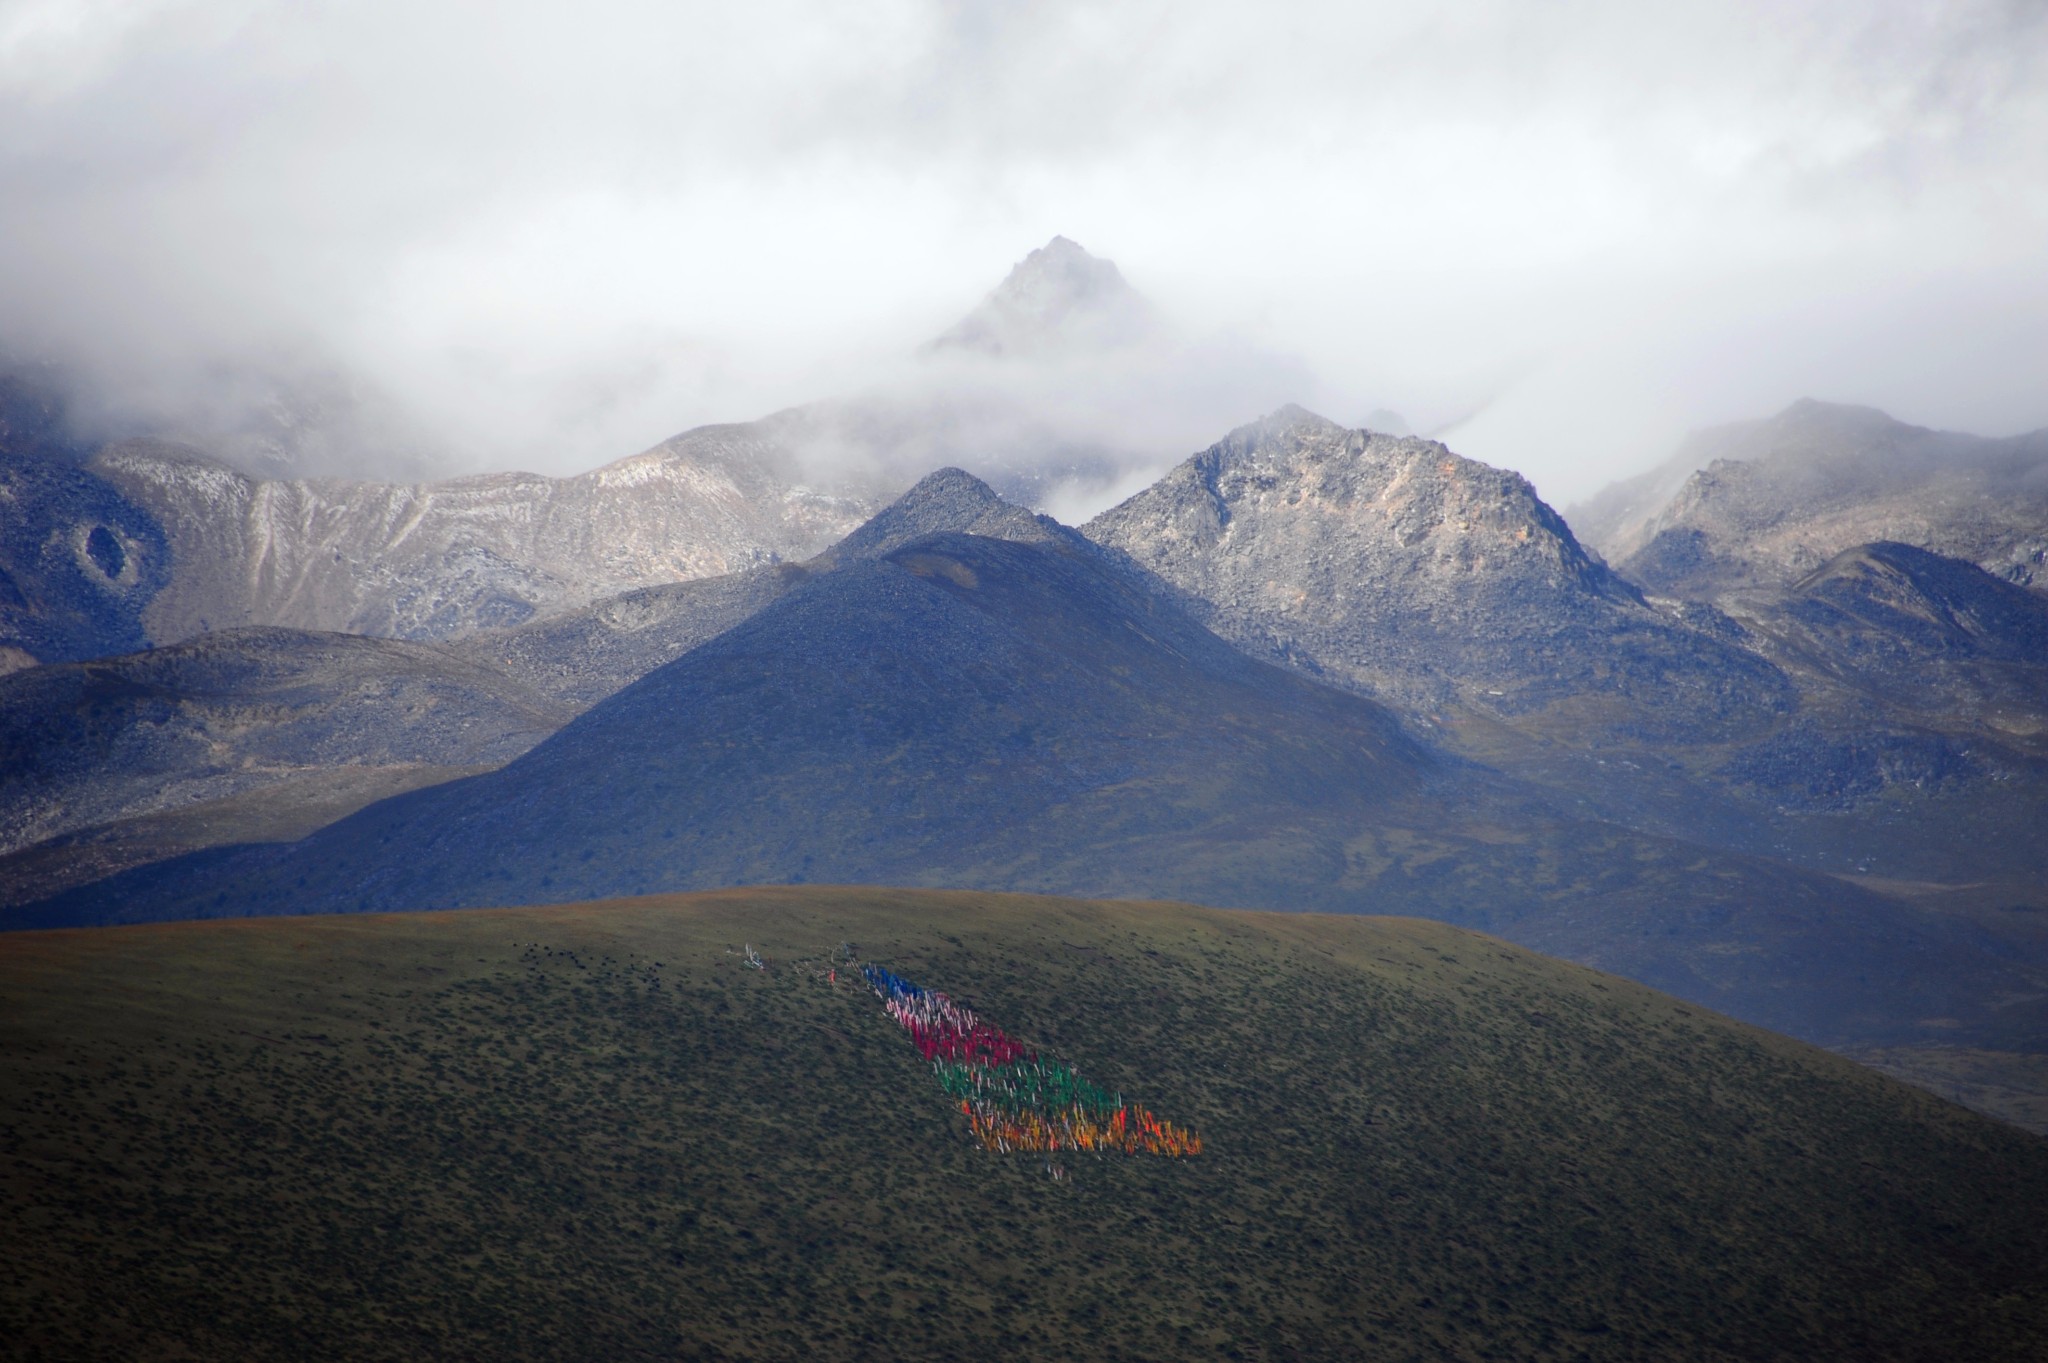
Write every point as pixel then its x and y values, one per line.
pixel 561 232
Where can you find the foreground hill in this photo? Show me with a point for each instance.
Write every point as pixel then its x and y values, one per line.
pixel 1763 503
pixel 591 1132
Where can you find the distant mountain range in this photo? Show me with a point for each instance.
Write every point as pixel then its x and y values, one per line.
pixel 151 541
pixel 1762 503
pixel 961 710
pixel 1783 749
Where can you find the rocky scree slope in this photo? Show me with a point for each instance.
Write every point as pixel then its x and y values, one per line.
pixel 1393 567
pixel 439 560
pixel 1763 503
pixel 1920 746
pixel 1917 633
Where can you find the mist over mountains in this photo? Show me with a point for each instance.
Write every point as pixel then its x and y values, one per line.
pixel 1761 503
pixel 1722 743
pixel 644 715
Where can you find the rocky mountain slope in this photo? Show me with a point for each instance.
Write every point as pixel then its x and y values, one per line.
pixel 1418 1142
pixel 1763 503
pixel 582 656
pixel 1399 570
pixel 158 543
pixel 265 734
pixel 1915 634
pixel 1393 567
pixel 1061 379
pixel 436 561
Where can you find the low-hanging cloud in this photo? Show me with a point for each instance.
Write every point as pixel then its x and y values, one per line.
pixel 533 235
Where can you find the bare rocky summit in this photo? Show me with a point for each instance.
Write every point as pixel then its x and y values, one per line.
pixel 1764 503
pixel 1393 567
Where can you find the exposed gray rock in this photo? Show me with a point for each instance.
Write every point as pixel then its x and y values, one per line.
pixel 1915 671
pixel 949 499
pixel 1763 503
pixel 1393 567
pixel 581 656
pixel 439 560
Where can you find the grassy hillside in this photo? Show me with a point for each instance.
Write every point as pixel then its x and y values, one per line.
pixel 591 1132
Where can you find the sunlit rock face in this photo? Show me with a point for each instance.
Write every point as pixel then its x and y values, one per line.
pixel 1763 503
pixel 441 560
pixel 1392 566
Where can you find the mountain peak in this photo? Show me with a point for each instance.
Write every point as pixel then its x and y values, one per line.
pixel 948 499
pixel 1058 298
pixel 1394 567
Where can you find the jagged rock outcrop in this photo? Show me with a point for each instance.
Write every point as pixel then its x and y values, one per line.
pixel 439 560
pixel 1763 503
pixel 1916 631
pixel 1394 567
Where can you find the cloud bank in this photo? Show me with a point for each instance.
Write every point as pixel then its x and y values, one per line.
pixel 522 234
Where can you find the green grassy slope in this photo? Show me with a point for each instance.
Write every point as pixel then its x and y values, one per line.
pixel 589 1132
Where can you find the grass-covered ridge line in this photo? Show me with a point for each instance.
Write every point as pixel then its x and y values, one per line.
pixel 588 1132
pixel 1014 1099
